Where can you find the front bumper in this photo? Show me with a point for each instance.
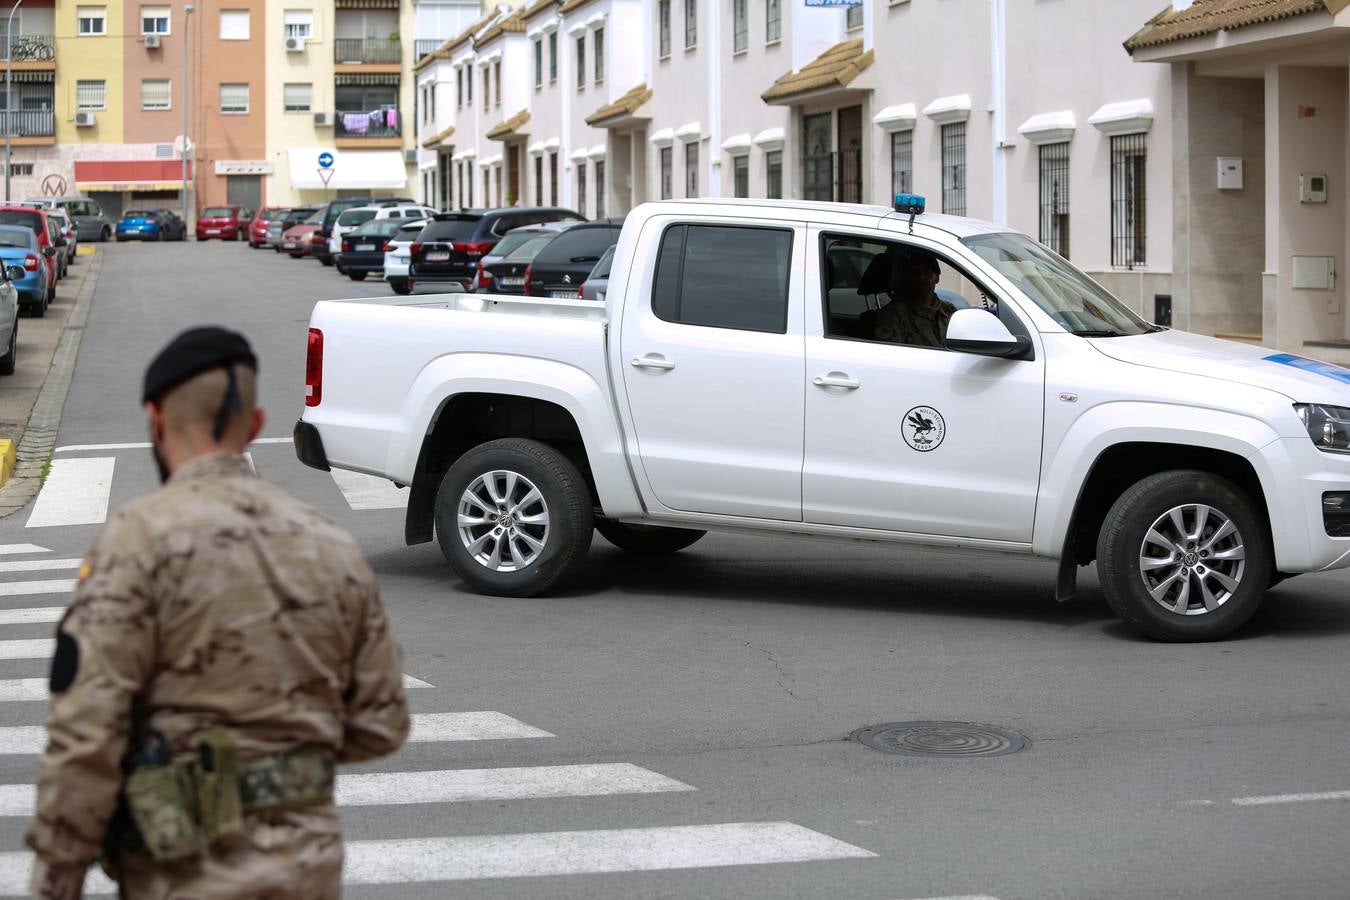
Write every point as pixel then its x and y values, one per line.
pixel 309 446
pixel 1295 475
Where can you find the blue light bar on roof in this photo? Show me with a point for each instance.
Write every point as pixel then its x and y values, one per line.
pixel 911 204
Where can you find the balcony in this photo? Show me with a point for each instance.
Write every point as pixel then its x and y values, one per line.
pixel 28 48
pixel 378 123
pixel 22 123
pixel 423 48
pixel 367 50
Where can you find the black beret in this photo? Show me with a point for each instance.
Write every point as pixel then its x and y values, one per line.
pixel 195 351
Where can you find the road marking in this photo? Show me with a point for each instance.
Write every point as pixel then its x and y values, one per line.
pixel 369 491
pixel 38 565
pixel 471 726
pixel 19 690
pixel 32 649
pixel 452 786
pixel 145 445
pixel 15 549
pixel 1291 798
pixel 410 682
pixel 24 588
pixel 33 615
pixel 248 458
pixel 23 740
pixel 75 493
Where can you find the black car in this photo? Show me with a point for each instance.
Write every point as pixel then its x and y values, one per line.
pixel 334 208
pixel 448 249
pixel 279 226
pixel 563 265
pixel 507 274
pixel 363 248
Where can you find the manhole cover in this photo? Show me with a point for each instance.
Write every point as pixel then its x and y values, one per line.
pixel 953 739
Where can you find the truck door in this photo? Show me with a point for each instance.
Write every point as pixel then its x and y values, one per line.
pixel 712 356
pixel 906 437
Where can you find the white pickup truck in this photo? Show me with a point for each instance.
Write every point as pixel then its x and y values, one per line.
pixel 771 368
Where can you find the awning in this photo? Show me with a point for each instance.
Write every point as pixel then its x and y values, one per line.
pixel 130 175
pixel 439 136
pixel 622 110
pixel 34 77
pixel 947 110
pixel 1125 117
pixel 1049 128
pixel 896 118
pixel 352 169
pixel 366 4
pixel 1203 17
pixel 511 128
pixel 834 69
pixel 343 79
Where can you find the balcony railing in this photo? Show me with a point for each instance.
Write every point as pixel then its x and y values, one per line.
pixel 367 50
pixel 379 123
pixel 28 123
pixel 28 47
pixel 423 47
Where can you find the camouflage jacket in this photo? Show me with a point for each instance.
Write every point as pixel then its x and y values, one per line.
pixel 215 602
pixel 915 324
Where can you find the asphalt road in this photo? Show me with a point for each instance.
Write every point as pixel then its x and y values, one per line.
pixel 740 667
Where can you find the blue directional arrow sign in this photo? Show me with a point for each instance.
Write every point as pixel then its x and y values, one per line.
pixel 325 160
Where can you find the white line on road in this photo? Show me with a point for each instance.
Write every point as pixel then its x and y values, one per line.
pixel 1291 798
pixel 75 493
pixel 15 549
pixel 38 565
pixel 410 682
pixel 18 690
pixel 33 615
pixel 24 588
pixel 145 445
pixel 369 491
pixel 29 649
pixel 23 740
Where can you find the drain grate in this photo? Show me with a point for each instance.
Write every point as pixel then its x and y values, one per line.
pixel 941 739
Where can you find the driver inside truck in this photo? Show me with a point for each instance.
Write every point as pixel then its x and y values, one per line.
pixel 915 315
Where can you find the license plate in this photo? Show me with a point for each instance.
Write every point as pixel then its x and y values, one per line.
pixel 401 259
pixel 438 256
pixel 511 282
pixel 364 248
pixel 565 295
pixel 213 231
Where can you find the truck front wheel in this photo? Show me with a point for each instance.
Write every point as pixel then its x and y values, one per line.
pixel 1184 556
pixel 513 516
pixel 647 540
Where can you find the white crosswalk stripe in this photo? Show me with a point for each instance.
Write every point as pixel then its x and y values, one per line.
pixel 31 615
pixel 28 649
pixel 369 491
pixel 38 565
pixel 18 549
pixel 24 588
pixel 76 492
pixel 18 690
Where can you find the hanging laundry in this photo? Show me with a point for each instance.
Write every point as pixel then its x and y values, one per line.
pixel 391 119
pixel 356 123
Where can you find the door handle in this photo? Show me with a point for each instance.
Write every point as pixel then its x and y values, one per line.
pixel 653 361
pixel 837 380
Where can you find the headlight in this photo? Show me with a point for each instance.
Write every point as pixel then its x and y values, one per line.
pixel 1328 426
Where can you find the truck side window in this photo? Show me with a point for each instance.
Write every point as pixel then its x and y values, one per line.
pixel 722 276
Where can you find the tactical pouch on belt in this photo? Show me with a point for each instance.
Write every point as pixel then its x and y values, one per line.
pixel 160 801
pixel 291 780
pixel 219 808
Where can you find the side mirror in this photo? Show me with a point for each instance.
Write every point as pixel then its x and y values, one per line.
pixel 979 332
pixel 15 273
pixel 49 251
pixel 60 240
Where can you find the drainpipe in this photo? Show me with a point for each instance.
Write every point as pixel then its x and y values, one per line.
pixel 566 168
pixel 998 69
pixel 714 52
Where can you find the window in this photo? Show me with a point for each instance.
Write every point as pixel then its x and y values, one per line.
pixel 154 20
pixel 773 21
pixel 297 98
pixel 553 178
pixel 156 93
pixel 600 208
pixel 21 170
pixel 773 175
pixel 539 62
pixel 1129 156
pixel 91 20
pixel 854 17
pixel 663 27
pixel 487 87
pixel 723 277
pixel 539 180
pixel 954 168
pixel 459 88
pixel 740 32
pixel 497 78
pixel 598 51
pixel 581 187
pixel 298 23
pixel 468 85
pixel 233 99
pixel 690 24
pixel 431 100
pixel 667 176
pixel 234 25
pixel 552 56
pixel 902 162
pixel 1054 231
pixel 691 169
pixel 91 95
pixel 740 175
pixel 581 61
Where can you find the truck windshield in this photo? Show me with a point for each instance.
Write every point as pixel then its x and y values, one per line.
pixel 1068 296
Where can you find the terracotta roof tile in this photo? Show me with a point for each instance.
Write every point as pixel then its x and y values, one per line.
pixel 572 5
pixel 836 67
pixel 624 106
pixel 510 127
pixel 1210 16
pixel 536 8
pixel 438 137
pixel 512 24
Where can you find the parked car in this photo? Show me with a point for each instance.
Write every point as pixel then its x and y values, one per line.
pixel 19 249
pixel 448 250
pixel 226 223
pixel 506 274
pixel 89 218
pixel 280 225
pixel 334 208
pixel 257 229
pixel 562 266
pixel 597 283
pixel 37 221
pixel 363 248
pixel 353 218
pixel 68 231
pixel 9 317
pixel 507 245
pixel 298 240
pixel 151 225
pixel 398 252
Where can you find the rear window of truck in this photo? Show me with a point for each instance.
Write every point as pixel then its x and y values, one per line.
pixel 449 230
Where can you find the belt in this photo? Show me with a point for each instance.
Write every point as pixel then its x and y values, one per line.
pixel 296 778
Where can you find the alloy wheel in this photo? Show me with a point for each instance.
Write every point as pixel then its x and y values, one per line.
pixel 1192 559
pixel 503 520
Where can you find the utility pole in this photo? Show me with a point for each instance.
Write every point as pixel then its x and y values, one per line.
pixel 9 88
pixel 183 153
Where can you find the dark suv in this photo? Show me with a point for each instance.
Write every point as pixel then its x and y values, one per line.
pixel 448 249
pixel 334 208
pixel 561 267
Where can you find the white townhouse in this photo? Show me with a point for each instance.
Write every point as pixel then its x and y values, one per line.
pixel 434 23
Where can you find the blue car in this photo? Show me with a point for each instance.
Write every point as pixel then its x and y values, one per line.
pixel 151 225
pixel 19 248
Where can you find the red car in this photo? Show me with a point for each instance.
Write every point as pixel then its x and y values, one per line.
pixel 45 229
pixel 228 223
pixel 296 240
pixel 257 232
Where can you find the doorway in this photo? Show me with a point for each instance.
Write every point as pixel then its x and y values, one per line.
pixel 244 190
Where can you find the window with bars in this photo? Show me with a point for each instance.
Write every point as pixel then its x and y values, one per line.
pixel 20 170
pixel 740 33
pixel 497 79
pixel 539 180
pixel 1054 231
pixel 233 99
pixel 773 21
pixel 773 175
pixel 853 18
pixel 91 20
pixel 902 162
pixel 487 88
pixel 581 61
pixel 156 93
pixel 459 88
pixel 954 168
pixel 581 187
pixel 553 178
pixel 740 175
pixel 90 95
pixel 1129 158
pixel 468 85
pixel 298 23
pixel 663 27
pixel 598 51
pixel 690 24
pixel 297 97
pixel 552 56
pixel 667 173
pixel 600 187
pixel 691 169
pixel 539 62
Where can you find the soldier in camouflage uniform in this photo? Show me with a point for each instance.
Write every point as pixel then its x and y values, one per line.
pixel 225 647
pixel 916 315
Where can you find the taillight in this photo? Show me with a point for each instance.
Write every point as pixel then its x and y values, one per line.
pixel 314 368
pixel 384 247
pixel 317 238
pixel 527 280
pixel 31 263
pixel 581 291
pixel 481 279
pixel 416 248
pixel 346 246
pixel 472 249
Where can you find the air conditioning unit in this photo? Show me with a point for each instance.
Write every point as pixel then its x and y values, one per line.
pixel 152 42
pixel 410 157
pixel 84 119
pixel 295 44
pixel 323 119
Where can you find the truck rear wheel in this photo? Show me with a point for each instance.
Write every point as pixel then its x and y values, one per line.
pixel 647 540
pixel 513 517
pixel 1184 556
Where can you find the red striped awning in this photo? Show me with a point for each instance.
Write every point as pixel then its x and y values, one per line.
pixel 129 174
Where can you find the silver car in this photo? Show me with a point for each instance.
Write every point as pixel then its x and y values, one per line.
pixel 90 222
pixel 597 283
pixel 9 318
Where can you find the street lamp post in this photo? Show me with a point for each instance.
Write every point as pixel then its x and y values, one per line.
pixel 183 152
pixel 9 88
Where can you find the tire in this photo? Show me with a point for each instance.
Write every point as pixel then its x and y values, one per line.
pixel 647 540
pixel 1234 588
pixel 326 260
pixel 401 286
pixel 564 535
pixel 39 309
pixel 8 361
pixel 357 276
pixel 105 235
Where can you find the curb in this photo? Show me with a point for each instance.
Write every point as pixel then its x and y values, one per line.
pixel 39 434
pixel 6 460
